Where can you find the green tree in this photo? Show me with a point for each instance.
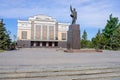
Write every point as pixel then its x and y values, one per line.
pixel 89 44
pixel 103 42
pixel 109 30
pixel 84 40
pixel 116 38
pixel 97 40
pixel 4 36
pixel 84 36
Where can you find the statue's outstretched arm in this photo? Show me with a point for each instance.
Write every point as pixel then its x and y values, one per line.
pixel 71 8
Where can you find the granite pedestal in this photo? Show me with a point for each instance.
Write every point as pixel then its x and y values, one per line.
pixel 73 41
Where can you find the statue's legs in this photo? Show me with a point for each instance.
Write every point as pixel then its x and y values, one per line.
pixel 73 21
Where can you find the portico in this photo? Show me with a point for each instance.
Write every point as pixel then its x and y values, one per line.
pixel 44 44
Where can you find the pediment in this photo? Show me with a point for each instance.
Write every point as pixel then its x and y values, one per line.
pixel 43 18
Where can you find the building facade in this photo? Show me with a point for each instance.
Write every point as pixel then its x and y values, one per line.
pixel 42 31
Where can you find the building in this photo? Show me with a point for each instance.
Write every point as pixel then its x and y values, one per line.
pixel 42 31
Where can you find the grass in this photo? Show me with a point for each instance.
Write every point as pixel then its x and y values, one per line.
pixel 1 51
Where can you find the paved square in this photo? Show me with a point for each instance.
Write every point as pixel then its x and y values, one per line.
pixel 54 64
pixel 42 56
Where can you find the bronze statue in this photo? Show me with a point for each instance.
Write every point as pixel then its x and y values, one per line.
pixel 73 15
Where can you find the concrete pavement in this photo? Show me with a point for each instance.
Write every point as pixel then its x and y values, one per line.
pixel 43 56
pixel 55 64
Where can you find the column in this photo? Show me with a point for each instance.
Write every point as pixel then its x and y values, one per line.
pixel 40 44
pixel 34 32
pixel 53 44
pixel 34 44
pixel 54 32
pixel 66 36
pixel 48 32
pixel 47 44
pixel 41 32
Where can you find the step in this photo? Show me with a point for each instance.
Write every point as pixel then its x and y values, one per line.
pixel 80 77
pixel 12 69
pixel 61 74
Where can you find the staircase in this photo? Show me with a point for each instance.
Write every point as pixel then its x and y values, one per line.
pixel 111 72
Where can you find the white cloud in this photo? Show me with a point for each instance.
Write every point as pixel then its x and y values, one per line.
pixel 95 14
pixel 91 13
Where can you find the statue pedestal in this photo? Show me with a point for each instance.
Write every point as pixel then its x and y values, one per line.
pixel 73 38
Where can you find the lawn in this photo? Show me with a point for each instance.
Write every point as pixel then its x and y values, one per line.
pixel 1 50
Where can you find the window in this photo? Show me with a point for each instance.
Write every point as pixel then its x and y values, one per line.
pixel 51 32
pixel 38 31
pixel 24 34
pixel 44 36
pixel 63 36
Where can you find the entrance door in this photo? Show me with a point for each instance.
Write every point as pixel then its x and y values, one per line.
pixel 44 44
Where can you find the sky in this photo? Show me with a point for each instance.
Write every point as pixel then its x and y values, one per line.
pixel 92 14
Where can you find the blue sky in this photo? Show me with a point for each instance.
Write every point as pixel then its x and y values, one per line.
pixel 92 14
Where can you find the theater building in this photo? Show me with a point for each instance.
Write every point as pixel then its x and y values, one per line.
pixel 41 31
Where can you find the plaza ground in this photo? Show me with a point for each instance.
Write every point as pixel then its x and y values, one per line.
pixel 55 64
pixel 42 56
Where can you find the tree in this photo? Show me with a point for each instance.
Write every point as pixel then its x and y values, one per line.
pixel 14 36
pixel 116 38
pixel 4 36
pixel 108 31
pixel 84 40
pixel 96 41
pixel 99 41
pixel 84 36
pixel 89 44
